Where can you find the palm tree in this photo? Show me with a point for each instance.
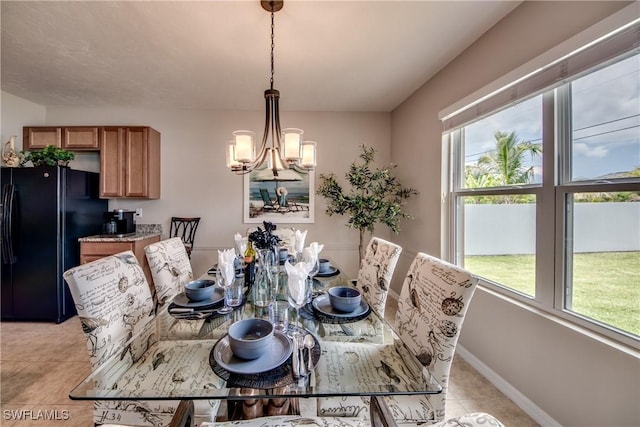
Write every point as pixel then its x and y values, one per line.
pixel 506 164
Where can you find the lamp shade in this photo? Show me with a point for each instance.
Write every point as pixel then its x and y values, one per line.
pixel 232 163
pixel 245 148
pixel 308 155
pixel 291 149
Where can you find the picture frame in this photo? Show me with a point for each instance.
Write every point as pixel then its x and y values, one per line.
pixel 288 198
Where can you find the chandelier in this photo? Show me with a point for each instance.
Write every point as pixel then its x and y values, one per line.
pixel 287 148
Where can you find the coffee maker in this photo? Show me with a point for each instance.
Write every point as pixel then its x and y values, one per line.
pixel 119 223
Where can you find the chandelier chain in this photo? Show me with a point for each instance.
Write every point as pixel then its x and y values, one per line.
pixel 273 44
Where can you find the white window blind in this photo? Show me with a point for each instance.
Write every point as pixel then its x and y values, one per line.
pixel 625 40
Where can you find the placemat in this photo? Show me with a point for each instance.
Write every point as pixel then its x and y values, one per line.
pixel 277 377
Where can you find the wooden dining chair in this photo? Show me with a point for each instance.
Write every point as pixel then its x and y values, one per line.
pixel 117 314
pixel 433 301
pixel 376 271
pixel 185 229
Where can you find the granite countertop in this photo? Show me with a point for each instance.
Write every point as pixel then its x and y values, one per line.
pixel 130 238
pixel 143 231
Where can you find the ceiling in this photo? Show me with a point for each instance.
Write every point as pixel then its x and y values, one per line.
pixel 329 55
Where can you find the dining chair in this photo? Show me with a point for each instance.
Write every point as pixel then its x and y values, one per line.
pixel 183 417
pixel 116 311
pixel 380 416
pixel 433 301
pixel 185 229
pixel 376 271
pixel 170 268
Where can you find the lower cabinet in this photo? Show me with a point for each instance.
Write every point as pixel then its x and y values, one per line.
pixel 93 250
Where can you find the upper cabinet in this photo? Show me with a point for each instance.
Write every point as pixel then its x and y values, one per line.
pixel 129 155
pixel 75 138
pixel 130 162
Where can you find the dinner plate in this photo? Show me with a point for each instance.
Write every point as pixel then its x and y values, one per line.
pixel 182 300
pixel 331 271
pixel 322 304
pixel 280 350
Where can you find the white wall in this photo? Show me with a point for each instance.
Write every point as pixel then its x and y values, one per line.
pixel 195 181
pixel 563 374
pixel 15 112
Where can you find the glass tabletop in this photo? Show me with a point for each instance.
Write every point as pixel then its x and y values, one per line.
pixel 184 356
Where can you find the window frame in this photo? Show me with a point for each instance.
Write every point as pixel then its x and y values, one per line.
pixel 552 202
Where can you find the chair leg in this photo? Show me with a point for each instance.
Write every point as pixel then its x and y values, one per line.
pixel 380 413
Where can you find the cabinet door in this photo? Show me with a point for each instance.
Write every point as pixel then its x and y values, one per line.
pixel 37 138
pixel 80 138
pixel 137 173
pixel 112 162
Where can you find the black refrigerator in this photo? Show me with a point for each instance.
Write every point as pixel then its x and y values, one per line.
pixel 44 212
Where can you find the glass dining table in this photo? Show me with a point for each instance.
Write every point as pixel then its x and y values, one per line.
pixel 356 354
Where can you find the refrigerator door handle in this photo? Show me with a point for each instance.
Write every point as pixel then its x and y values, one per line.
pixel 8 191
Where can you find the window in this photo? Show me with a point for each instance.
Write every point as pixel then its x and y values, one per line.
pixel 545 197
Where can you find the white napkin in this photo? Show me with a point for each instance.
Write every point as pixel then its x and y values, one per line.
pixel 300 236
pixel 225 265
pixel 297 280
pixel 241 243
pixel 311 252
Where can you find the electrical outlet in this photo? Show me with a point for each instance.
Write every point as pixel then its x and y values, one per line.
pixel 139 212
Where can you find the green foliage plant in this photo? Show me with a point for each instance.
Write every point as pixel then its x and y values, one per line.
pixel 49 156
pixel 376 196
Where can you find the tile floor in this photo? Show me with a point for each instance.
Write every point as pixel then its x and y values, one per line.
pixel 41 362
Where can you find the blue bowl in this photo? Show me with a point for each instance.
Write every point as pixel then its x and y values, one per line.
pixel 199 290
pixel 344 299
pixel 250 338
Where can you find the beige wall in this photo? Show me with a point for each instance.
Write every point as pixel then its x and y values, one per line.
pixel 562 374
pixel 195 181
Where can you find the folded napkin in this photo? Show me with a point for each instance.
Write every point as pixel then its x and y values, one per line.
pixel 226 267
pixel 310 253
pixel 241 243
pixel 300 236
pixel 297 280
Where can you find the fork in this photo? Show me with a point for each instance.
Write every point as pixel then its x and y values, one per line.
pixel 194 315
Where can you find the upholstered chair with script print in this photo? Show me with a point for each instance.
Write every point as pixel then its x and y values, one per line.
pixel 116 310
pixel 433 302
pixel 170 268
pixel 376 270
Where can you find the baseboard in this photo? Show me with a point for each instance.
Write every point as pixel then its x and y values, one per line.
pixel 507 389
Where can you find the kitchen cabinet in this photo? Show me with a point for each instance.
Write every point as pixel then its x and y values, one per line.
pixel 130 162
pixel 73 138
pixel 93 248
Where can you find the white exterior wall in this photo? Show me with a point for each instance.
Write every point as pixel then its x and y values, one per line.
pixel 509 229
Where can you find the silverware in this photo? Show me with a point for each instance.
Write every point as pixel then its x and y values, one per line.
pixel 193 315
pixel 309 343
pixel 181 310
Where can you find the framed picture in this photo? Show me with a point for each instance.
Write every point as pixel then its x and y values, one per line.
pixel 286 198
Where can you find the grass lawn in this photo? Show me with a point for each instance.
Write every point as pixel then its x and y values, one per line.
pixel 606 286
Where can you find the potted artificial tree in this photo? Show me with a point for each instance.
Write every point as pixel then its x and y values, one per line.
pixel 376 196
